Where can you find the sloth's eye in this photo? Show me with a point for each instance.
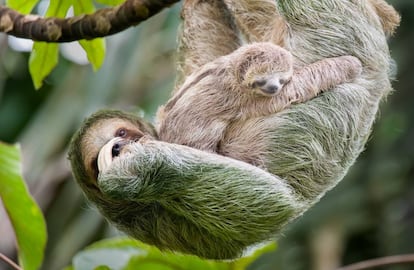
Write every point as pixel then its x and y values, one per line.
pixel 121 133
pixel 282 81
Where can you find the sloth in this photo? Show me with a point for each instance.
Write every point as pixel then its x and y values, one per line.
pixel 216 206
pixel 255 80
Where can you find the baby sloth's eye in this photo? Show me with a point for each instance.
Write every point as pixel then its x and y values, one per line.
pixel 121 133
pixel 259 83
pixel 282 81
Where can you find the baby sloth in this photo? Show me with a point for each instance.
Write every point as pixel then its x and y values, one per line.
pixel 273 68
pixel 255 80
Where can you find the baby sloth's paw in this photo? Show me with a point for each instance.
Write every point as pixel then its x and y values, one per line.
pixel 269 85
pixel 354 66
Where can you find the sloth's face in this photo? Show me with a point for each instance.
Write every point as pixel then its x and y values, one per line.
pixel 107 136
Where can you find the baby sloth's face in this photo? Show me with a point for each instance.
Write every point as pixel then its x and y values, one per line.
pixel 269 84
pixel 265 68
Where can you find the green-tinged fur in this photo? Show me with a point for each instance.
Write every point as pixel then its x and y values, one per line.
pixel 187 200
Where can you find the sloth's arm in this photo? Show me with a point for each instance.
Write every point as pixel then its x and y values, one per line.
pixel 209 190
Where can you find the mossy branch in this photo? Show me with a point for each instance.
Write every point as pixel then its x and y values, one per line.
pixel 103 22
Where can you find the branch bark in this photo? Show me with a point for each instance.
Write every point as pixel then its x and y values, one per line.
pixel 103 22
pixel 384 261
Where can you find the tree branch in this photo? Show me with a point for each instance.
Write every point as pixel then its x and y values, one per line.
pixel 103 22
pixel 9 261
pixel 391 260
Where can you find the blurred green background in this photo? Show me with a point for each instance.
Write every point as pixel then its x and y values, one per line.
pixel 369 214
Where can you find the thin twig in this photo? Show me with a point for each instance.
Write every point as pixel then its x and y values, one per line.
pixel 398 259
pixel 10 262
pixel 103 22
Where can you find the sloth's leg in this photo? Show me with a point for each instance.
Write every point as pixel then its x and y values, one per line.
pixel 389 17
pixel 188 200
pixel 207 32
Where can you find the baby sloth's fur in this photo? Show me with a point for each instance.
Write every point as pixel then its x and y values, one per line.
pixel 255 80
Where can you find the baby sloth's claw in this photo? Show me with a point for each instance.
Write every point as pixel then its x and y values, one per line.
pixel 353 64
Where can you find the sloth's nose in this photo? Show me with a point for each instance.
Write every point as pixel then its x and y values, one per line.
pixel 117 147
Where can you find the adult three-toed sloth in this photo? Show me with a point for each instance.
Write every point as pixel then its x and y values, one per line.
pixel 184 199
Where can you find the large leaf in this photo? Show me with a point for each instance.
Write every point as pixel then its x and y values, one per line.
pixel 113 253
pixel 95 49
pixel 23 6
pixel 25 215
pixel 244 262
pixel 44 56
pixel 126 253
pixel 155 259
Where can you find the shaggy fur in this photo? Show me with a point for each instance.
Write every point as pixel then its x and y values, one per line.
pixel 187 200
pixel 255 80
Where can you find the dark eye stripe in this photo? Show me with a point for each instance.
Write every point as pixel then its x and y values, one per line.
pixel 121 133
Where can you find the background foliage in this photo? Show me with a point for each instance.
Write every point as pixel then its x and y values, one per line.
pixel 370 214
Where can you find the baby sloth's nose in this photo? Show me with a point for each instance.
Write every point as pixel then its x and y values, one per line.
pixel 270 88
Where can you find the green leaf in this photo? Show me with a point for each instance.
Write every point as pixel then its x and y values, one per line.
pixel 155 259
pixel 45 56
pixel 25 215
pixel 172 261
pixel 110 2
pixel 128 254
pixel 113 254
pixel 114 258
pixel 23 6
pixel 244 262
pixel 95 49
pixel 59 8
pixel 118 242
pixel 43 59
